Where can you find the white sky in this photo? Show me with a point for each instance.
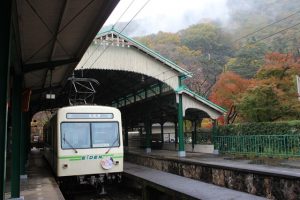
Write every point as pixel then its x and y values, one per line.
pixel 170 15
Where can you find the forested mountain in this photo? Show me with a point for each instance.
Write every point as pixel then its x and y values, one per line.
pixel 209 48
pixel 246 63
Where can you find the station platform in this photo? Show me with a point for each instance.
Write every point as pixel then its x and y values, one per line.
pixel 181 187
pixel 40 183
pixel 269 178
pixel 280 167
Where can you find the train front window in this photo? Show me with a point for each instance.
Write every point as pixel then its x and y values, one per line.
pixel 75 135
pixel 105 134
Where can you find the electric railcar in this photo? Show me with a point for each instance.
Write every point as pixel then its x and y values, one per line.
pixel 85 142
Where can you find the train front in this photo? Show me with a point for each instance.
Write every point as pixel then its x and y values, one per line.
pixel 89 143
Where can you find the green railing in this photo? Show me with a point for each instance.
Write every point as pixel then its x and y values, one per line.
pixel 266 145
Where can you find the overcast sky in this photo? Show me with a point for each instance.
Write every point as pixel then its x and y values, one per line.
pixel 170 15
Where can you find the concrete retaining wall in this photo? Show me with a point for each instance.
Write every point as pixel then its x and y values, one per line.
pixel 277 187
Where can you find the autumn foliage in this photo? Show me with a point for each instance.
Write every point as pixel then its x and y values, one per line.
pixel 274 95
pixel 227 88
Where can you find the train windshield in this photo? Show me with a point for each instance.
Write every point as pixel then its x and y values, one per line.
pixel 105 134
pixel 89 135
pixel 75 135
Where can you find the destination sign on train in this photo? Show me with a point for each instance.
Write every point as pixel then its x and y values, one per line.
pixel 89 115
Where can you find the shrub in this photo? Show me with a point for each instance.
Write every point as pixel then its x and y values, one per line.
pixel 263 128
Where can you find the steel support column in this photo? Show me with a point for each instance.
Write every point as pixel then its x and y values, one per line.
pixel 214 129
pixel 126 134
pixel 148 128
pixel 28 137
pixel 181 152
pixel 162 132
pixel 176 134
pixel 194 134
pixel 5 23
pixel 23 150
pixel 16 133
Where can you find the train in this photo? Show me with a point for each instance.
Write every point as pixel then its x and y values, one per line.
pixel 84 143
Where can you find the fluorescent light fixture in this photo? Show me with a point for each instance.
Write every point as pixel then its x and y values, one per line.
pixel 50 96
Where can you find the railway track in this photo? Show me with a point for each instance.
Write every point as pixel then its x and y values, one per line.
pixel 113 192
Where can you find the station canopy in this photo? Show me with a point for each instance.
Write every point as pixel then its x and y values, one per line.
pixel 52 37
pixel 139 81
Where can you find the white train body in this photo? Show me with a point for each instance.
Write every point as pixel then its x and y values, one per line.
pixel 84 140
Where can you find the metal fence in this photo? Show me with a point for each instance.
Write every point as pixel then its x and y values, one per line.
pixel 267 145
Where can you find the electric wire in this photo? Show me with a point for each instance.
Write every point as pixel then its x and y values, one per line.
pixel 264 27
pixel 121 31
pixel 124 12
pixel 277 32
pixel 112 27
pixel 269 36
pixel 258 30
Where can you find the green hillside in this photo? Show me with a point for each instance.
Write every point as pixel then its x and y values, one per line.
pixel 209 48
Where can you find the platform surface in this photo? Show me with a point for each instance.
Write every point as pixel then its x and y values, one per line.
pixel 187 186
pixel 40 183
pixel 279 167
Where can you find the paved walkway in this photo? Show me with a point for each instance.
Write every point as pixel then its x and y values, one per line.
pixel 189 187
pixel 40 184
pixel 285 167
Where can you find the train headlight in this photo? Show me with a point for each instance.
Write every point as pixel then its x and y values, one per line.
pixel 107 162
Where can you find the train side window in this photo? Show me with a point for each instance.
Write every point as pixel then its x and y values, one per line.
pixel 48 135
pixel 75 135
pixel 105 134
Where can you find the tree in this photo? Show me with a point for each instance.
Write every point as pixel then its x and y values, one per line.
pixel 226 90
pixel 260 104
pixel 228 87
pixel 247 60
pixel 274 95
pixel 213 43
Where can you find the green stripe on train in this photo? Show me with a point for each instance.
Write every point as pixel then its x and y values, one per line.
pixel 67 157
pixel 91 157
pixel 75 159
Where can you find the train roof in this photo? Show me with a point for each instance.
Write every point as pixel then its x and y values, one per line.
pixel 89 108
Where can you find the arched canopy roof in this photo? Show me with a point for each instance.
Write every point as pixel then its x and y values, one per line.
pixel 137 80
pixel 122 65
pixel 192 100
pixel 111 50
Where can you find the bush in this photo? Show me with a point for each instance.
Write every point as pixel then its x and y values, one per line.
pixel 263 128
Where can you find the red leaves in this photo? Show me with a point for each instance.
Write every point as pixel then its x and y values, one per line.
pixel 227 88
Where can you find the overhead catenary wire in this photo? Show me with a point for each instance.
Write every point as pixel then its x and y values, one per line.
pixel 264 27
pixel 277 32
pixel 113 27
pixel 124 12
pixel 285 29
pixel 121 31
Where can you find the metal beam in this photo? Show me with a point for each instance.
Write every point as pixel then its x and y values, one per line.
pixel 39 91
pixel 49 64
pixel 57 30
